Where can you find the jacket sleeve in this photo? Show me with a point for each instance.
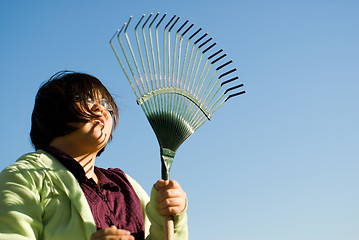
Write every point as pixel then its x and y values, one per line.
pixel 154 221
pixel 20 205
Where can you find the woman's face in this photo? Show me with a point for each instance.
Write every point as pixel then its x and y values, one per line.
pixel 93 135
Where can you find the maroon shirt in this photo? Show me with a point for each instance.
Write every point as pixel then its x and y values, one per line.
pixel 113 201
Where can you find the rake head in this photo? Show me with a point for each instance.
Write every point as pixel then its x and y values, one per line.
pixel 178 87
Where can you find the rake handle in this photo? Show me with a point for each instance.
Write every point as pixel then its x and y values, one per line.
pixel 167 158
pixel 169 228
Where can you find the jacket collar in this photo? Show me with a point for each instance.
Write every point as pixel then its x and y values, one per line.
pixel 66 181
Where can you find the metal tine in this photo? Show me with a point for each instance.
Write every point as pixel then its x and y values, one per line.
pixel 190 60
pixel 147 54
pixel 151 104
pixel 194 114
pixel 174 96
pixel 194 62
pixel 224 93
pixel 185 56
pixel 184 105
pixel 144 106
pixel 230 96
pixel 201 120
pixel 176 105
pixel 155 99
pixel 149 61
pixel 152 50
pixel 189 63
pixel 141 56
pixel 159 61
pixel 119 60
pixel 181 105
pixel 196 123
pixel 213 87
pixel 180 49
pixel 165 52
pixel 171 96
pixel 214 73
pixel 189 114
pixel 167 77
pixel 158 50
pixel 233 95
pixel 204 68
pixel 228 81
pixel 128 61
pixel 221 96
pixel 133 55
pixel 174 54
pixel 199 62
pixel 198 65
pixel 171 104
pixel 147 104
pixel 205 77
pixel 179 54
pixel 189 105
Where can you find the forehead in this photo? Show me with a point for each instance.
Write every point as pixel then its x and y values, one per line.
pixel 95 94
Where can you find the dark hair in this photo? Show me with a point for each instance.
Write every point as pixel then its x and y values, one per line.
pixel 62 100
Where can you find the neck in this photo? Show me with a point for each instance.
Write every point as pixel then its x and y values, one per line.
pixel 87 162
pixel 85 159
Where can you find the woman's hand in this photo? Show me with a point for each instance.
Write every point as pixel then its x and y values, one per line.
pixel 171 198
pixel 112 233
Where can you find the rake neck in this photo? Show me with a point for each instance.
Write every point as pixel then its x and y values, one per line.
pixel 167 156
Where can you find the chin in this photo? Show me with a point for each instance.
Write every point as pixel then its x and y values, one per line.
pixel 101 151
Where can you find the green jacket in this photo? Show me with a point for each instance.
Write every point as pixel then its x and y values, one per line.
pixel 41 199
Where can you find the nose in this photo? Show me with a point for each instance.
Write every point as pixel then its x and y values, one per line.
pixel 101 105
pixel 97 107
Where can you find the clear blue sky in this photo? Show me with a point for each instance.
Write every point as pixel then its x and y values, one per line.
pixel 278 163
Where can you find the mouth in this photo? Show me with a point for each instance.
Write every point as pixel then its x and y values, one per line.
pixel 99 121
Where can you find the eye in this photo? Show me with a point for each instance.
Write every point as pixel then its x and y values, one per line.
pixel 90 101
pixel 106 104
pixel 76 98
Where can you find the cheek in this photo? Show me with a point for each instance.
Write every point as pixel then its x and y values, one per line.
pixel 77 125
pixel 109 124
pixel 86 130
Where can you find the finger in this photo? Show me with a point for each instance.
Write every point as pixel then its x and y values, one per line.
pixel 104 232
pixel 167 185
pixel 171 202
pixel 115 238
pixel 169 193
pixel 173 210
pixel 109 233
pixel 172 206
pixel 172 190
pixel 171 184
pixel 160 184
pixel 122 232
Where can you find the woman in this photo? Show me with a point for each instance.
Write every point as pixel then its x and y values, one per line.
pixel 58 193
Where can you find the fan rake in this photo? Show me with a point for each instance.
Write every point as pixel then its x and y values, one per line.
pixel 177 90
